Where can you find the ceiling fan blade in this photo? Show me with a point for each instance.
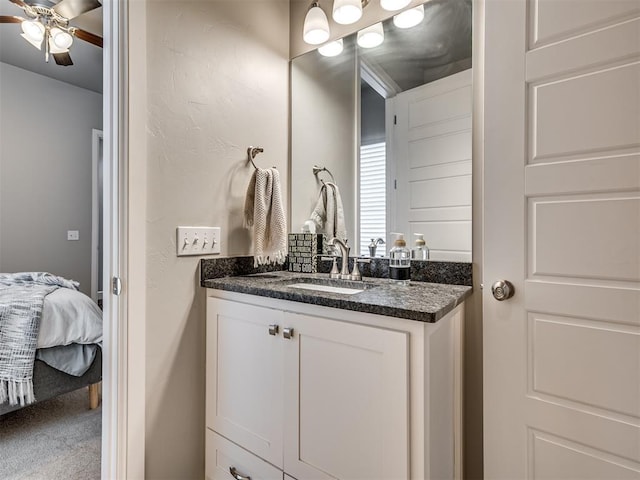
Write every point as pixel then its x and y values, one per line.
pixel 88 37
pixel 62 59
pixel 20 3
pixel 72 8
pixel 10 19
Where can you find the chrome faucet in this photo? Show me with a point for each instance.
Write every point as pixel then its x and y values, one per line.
pixel 344 253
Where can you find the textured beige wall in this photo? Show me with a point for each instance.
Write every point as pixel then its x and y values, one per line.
pixel 217 79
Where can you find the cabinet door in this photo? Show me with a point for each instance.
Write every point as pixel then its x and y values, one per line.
pixel 346 401
pixel 244 376
pixel 227 461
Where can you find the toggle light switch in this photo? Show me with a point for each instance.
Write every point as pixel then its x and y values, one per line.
pixel 197 241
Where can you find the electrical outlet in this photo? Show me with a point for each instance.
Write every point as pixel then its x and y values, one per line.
pixel 197 241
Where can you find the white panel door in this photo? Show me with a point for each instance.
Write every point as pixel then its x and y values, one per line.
pixel 562 223
pixel 346 401
pixel 244 376
pixel 431 144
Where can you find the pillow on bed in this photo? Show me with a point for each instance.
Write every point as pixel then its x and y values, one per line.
pixel 69 316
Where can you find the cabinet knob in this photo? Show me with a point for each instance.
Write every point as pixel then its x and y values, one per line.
pixel 287 332
pixel 234 473
pixel 273 329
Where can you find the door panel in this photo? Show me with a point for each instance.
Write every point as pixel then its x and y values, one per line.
pixel 556 458
pixel 245 384
pixel 552 20
pixel 608 227
pixel 580 361
pixel 562 222
pixel 347 401
pixel 590 100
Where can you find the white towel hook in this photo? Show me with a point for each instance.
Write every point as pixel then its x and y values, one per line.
pixel 317 170
pixel 252 152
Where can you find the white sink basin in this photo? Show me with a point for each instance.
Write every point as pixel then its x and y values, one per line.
pixel 326 288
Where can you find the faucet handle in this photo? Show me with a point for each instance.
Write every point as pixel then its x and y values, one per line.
pixel 335 273
pixel 355 273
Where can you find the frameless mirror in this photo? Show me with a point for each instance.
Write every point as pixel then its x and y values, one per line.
pixel 392 125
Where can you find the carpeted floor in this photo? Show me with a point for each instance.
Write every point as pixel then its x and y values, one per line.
pixel 55 439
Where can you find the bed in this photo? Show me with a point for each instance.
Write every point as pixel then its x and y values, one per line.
pixel 68 353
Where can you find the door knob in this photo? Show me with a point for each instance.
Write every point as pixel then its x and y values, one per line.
pixel 287 332
pixel 502 290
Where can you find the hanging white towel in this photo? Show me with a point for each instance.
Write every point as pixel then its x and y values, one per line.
pixel 264 212
pixel 328 213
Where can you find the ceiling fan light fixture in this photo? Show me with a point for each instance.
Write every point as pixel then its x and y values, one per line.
pixel 316 26
pixel 60 40
pixel 409 18
pixel 33 31
pixel 393 5
pixel 346 12
pixel 372 36
pixel 332 49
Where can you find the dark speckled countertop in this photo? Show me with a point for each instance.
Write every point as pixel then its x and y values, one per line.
pixel 421 301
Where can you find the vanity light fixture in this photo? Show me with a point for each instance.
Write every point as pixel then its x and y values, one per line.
pixel 346 12
pixel 409 18
pixel 372 36
pixel 332 49
pixel 316 26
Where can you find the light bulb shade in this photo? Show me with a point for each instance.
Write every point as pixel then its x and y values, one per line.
pixel 409 18
pixel 33 30
pixel 346 12
pixel 316 26
pixel 371 36
pixel 332 49
pixel 393 5
pixel 35 43
pixel 59 40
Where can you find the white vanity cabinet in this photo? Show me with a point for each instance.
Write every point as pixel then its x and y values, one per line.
pixel 309 392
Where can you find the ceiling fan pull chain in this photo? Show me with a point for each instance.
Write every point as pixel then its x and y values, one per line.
pixel 46 45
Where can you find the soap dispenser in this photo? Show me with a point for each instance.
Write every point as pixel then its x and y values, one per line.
pixel 420 251
pixel 400 260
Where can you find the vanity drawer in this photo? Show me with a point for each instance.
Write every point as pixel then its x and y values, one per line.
pixel 222 455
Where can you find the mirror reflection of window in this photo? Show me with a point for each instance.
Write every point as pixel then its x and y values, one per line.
pixel 373 215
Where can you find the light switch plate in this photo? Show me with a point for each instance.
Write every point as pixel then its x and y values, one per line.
pixel 197 241
pixel 73 234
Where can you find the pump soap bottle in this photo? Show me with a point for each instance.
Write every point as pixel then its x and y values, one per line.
pixel 400 260
pixel 420 251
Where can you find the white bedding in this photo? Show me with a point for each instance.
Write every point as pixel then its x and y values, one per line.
pixel 69 316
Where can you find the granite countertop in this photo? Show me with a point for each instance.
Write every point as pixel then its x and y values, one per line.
pixel 421 301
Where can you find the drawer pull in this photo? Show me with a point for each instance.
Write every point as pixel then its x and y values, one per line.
pixel 273 329
pixel 234 473
pixel 287 332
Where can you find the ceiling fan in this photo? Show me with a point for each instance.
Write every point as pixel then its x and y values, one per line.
pixel 49 25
